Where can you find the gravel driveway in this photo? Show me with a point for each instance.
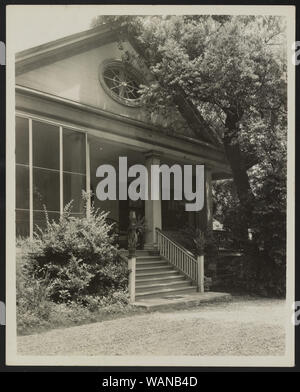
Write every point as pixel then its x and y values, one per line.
pixel 241 327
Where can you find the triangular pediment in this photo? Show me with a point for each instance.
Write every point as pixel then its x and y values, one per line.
pixel 70 68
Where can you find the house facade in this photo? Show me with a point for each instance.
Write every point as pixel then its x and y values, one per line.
pixel 77 107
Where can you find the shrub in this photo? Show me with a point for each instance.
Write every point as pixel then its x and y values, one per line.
pixel 75 257
pixel 195 240
pixel 264 265
pixel 115 301
pixel 33 304
pixel 261 275
pixel 89 309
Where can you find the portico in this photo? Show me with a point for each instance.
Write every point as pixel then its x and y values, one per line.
pixel 157 213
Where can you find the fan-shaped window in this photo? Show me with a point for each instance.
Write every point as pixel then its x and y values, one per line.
pixel 121 82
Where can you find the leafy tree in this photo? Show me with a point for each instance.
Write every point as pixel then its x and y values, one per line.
pixel 224 74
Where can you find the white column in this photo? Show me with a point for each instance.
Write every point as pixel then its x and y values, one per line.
pixel 200 274
pixel 152 207
pixel 131 278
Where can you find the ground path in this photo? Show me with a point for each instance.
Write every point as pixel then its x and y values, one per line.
pixel 244 326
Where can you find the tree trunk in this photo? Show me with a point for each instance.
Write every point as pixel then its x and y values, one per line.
pixel 232 148
pixel 235 156
pixel 237 163
pixel 194 119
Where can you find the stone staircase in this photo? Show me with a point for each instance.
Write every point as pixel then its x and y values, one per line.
pixel 156 277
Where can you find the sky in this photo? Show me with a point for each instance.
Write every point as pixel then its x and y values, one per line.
pixel 46 23
pixel 32 25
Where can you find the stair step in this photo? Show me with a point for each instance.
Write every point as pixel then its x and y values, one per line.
pixel 162 292
pixel 138 253
pixel 142 253
pixel 147 274
pixel 155 263
pixel 158 278
pixel 143 261
pixel 158 286
pixel 166 267
pixel 154 252
pixel 148 258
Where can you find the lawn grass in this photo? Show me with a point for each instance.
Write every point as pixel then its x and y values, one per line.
pixel 64 316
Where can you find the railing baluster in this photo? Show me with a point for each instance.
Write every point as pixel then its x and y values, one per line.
pixel 177 256
pixel 181 264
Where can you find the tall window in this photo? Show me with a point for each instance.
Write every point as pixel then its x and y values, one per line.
pixel 45 172
pixel 22 176
pixel 74 170
pixel 50 172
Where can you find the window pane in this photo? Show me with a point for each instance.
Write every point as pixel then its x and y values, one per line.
pixel 73 186
pixel 22 187
pixel 45 145
pixel 22 140
pixel 39 218
pixel 22 223
pixel 73 151
pixel 45 189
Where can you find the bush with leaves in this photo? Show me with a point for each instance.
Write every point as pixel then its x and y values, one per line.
pixel 32 295
pixel 196 241
pixel 264 260
pixel 75 257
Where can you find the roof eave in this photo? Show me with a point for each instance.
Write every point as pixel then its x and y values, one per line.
pixel 48 53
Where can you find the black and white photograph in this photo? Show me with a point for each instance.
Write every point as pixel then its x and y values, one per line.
pixel 150 185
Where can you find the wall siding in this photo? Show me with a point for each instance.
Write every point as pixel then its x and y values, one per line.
pixel 76 78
